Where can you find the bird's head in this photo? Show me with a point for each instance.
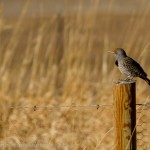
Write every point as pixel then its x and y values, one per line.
pixel 119 53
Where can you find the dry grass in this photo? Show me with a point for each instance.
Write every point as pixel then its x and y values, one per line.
pixel 62 59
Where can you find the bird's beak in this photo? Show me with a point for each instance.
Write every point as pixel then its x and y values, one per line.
pixel 111 52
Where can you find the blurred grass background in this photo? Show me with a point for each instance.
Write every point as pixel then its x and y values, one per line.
pixel 55 53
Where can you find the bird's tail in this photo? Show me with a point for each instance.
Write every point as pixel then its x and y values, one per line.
pixel 147 80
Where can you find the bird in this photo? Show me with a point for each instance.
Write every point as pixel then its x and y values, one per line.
pixel 128 66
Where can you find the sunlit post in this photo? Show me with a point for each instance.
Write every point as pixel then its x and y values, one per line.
pixel 125 115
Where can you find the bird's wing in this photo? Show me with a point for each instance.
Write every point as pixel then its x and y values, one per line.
pixel 133 66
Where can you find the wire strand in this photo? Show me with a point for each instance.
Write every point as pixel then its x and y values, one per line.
pixel 66 106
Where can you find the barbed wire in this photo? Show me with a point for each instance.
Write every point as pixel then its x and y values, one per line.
pixel 147 104
pixel 97 106
pixel 61 106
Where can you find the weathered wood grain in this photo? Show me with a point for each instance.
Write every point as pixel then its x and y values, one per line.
pixel 125 115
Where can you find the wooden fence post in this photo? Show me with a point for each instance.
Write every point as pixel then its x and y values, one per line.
pixel 125 115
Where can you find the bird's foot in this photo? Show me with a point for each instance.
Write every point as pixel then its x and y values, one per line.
pixel 126 80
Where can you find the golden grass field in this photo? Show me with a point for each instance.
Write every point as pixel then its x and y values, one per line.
pixel 61 59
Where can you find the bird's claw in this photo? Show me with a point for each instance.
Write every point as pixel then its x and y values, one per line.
pixel 125 80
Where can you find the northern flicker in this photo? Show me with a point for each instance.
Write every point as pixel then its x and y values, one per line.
pixel 128 66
